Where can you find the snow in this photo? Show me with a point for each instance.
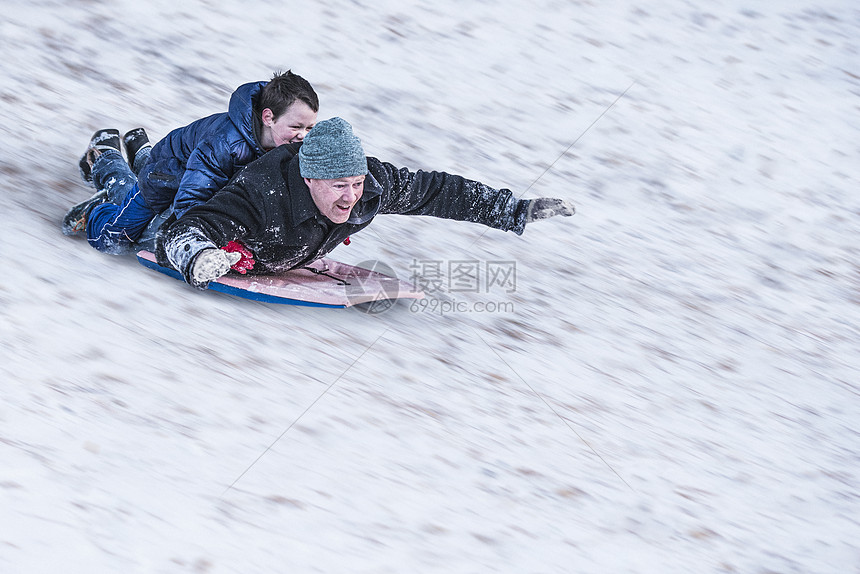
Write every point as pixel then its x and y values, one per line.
pixel 672 387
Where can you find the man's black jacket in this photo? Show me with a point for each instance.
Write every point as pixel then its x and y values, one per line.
pixel 268 208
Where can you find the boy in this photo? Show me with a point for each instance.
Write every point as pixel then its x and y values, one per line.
pixel 188 166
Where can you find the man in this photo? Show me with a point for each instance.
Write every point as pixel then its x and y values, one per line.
pixel 189 165
pixel 298 202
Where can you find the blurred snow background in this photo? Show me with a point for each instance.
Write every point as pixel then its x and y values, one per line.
pixel 672 387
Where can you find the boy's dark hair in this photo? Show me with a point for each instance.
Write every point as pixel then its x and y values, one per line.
pixel 284 89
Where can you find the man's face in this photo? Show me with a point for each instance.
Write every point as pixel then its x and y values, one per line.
pixel 336 197
pixel 290 127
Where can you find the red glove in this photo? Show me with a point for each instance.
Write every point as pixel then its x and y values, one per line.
pixel 247 260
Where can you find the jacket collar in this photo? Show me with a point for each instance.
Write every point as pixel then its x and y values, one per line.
pixel 241 113
pixel 302 205
pixel 368 206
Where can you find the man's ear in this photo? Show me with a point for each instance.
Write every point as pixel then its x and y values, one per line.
pixel 268 117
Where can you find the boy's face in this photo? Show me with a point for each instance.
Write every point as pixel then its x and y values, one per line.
pixel 290 127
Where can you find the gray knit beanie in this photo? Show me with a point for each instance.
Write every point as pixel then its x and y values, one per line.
pixel 331 150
